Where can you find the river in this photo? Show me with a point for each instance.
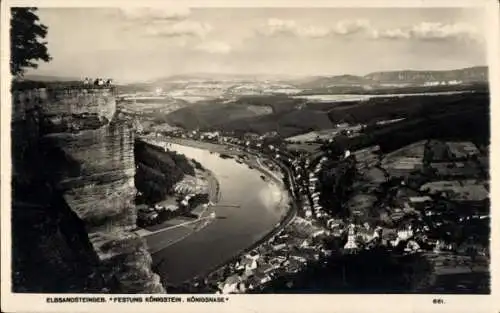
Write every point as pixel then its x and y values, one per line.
pixel 365 97
pixel 250 209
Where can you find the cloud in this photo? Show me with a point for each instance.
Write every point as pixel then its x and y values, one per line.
pixel 169 22
pixel 424 31
pixel 275 27
pixel 152 14
pixel 430 31
pixel 348 27
pixel 443 31
pixel 178 29
pixel 214 47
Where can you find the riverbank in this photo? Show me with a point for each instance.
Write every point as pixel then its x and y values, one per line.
pixel 203 181
pixel 285 200
pixel 250 214
pixel 287 220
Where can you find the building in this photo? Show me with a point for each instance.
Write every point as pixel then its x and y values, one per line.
pixel 405 233
pixel 412 246
pixel 420 202
pixel 171 208
pixel 230 285
pixel 462 150
pixel 351 244
pixel 467 190
pixel 367 157
pixel 403 166
pixel 456 169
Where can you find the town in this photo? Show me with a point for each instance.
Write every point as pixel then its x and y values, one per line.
pixel 428 198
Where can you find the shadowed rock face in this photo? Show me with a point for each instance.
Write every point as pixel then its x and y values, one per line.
pixel 158 171
pixel 52 252
pixel 71 141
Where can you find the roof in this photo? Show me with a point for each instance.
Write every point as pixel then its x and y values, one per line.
pixel 246 261
pixel 234 279
pixel 264 267
pixel 420 199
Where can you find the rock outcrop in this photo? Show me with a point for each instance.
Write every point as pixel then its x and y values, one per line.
pixel 471 74
pixel 478 74
pixel 71 141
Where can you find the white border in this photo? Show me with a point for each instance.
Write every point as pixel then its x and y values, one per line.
pixel 259 303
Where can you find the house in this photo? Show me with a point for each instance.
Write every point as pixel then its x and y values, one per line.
pixel 368 235
pixel 171 208
pixel 405 233
pixel 279 247
pixel 262 278
pixel 412 246
pixel 247 264
pixel 388 235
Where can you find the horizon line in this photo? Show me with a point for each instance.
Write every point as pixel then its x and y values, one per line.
pixel 27 75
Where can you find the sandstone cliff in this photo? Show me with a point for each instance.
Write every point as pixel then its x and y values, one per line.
pixel 476 74
pixel 71 142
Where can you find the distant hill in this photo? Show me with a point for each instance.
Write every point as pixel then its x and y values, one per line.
pixel 219 77
pixel 403 77
pixel 372 81
pixel 471 74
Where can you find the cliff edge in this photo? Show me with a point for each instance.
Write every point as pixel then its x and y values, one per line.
pixel 74 157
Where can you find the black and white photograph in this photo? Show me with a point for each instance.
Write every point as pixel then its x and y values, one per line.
pixel 249 150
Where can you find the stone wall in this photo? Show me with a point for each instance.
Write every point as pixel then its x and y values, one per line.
pixel 84 152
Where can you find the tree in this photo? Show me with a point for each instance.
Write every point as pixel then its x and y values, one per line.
pixel 26 33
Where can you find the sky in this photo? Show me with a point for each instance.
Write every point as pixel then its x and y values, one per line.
pixel 140 44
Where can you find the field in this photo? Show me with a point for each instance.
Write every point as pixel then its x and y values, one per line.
pixel 315 135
